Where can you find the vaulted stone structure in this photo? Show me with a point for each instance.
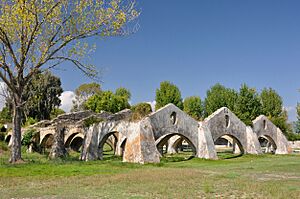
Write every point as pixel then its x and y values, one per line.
pixel 170 121
pixel 142 141
pixel 264 128
pixel 224 122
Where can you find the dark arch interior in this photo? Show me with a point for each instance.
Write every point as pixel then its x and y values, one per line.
pixel 47 143
pixel 228 146
pixel 184 148
pixel 70 138
pixel 76 144
pixel 267 144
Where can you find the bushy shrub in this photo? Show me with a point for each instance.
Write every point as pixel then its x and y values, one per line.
pixel 293 137
pixel 140 111
pixel 27 137
pixel 91 120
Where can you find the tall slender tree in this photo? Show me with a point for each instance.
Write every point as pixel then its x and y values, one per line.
pixel 248 105
pixel 219 96
pixel 168 93
pixel 37 35
pixel 82 93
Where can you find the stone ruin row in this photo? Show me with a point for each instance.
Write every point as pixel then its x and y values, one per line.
pixel 142 141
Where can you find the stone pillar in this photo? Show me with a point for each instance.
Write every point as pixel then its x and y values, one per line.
pixel 236 148
pixel 140 147
pixel 173 144
pixel 206 147
pixel 58 149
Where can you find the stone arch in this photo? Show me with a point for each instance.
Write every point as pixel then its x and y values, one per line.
pixel 164 139
pixel 112 141
pixel 69 139
pixel 169 121
pixel 47 141
pixel 76 143
pixel 264 128
pixel 103 140
pixel 175 144
pixel 224 122
pixel 235 143
pixel 267 143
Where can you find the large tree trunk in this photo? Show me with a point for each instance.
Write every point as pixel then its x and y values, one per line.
pixel 16 134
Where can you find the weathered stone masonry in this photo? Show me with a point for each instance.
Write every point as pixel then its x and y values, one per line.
pixel 142 141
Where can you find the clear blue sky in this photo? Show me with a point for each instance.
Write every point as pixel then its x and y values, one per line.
pixel 198 43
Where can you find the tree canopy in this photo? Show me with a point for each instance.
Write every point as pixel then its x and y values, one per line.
pixel 194 107
pixel 42 96
pixel 271 102
pixel 219 96
pixel 248 105
pixel 82 93
pixel 168 93
pixel 107 101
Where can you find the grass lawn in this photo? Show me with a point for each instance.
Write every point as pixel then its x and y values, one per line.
pixel 248 176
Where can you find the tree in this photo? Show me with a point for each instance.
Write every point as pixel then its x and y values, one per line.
pixel 107 101
pixel 56 112
pixel 194 107
pixel 248 105
pixel 272 107
pixel 123 92
pixel 271 103
pixel 219 96
pixel 168 93
pixel 82 93
pixel 42 96
pixel 40 35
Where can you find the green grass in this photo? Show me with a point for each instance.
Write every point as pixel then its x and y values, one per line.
pixel 248 176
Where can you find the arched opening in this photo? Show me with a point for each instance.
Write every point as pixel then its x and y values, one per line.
pixel 228 146
pixel 267 144
pixel 107 146
pixel 76 144
pixel 184 148
pixel 227 120
pixel 7 139
pixel 173 118
pixel 47 143
pixel 69 140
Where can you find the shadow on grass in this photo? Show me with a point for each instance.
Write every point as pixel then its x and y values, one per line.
pixel 228 155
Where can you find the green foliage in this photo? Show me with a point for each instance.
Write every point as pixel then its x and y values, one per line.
pixel 30 121
pixel 140 111
pixel 248 105
pixel 27 137
pixel 56 112
pixel 281 122
pixel 107 101
pixel 91 120
pixel 271 103
pixel 194 107
pixel 293 137
pixel 5 115
pixel 123 92
pixel 168 93
pixel 42 96
pixel 219 96
pixel 82 93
